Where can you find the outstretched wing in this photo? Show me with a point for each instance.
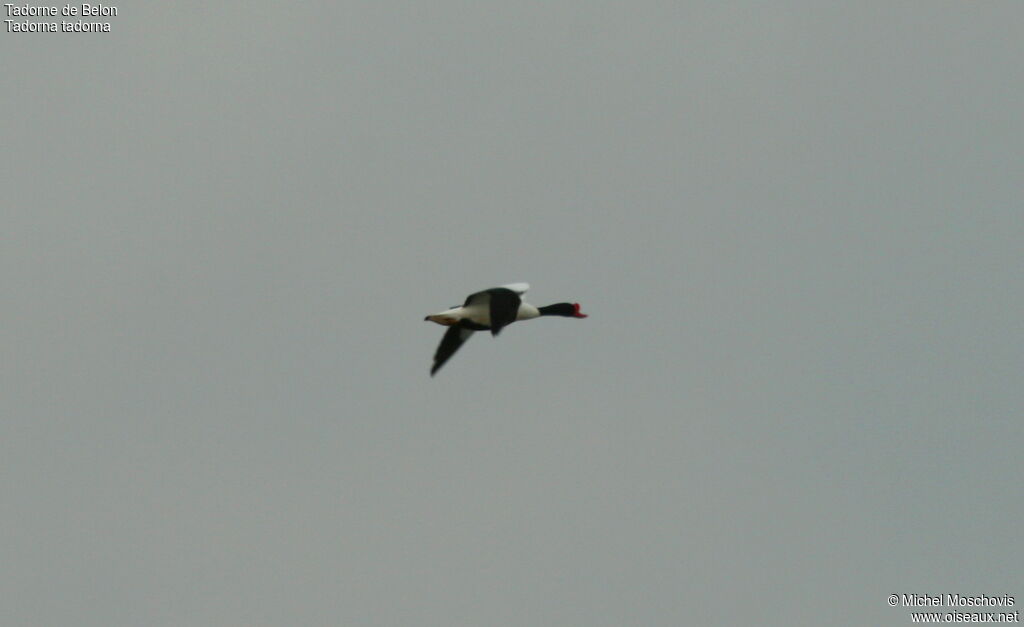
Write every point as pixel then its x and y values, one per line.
pixel 452 340
pixel 501 303
pixel 504 307
pixel 481 297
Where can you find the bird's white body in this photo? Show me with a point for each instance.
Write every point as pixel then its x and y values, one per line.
pixel 479 313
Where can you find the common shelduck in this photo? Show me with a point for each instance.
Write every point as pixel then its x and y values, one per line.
pixel 490 310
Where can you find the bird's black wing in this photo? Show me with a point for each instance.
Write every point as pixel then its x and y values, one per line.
pixel 502 303
pixel 452 340
pixel 504 307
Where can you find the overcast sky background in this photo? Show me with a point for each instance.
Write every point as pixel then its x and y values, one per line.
pixel 796 228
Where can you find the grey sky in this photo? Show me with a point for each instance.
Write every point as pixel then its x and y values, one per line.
pixel 796 228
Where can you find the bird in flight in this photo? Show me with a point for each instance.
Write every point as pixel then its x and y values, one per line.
pixel 490 310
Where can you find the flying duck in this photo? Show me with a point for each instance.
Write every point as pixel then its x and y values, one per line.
pixel 490 310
